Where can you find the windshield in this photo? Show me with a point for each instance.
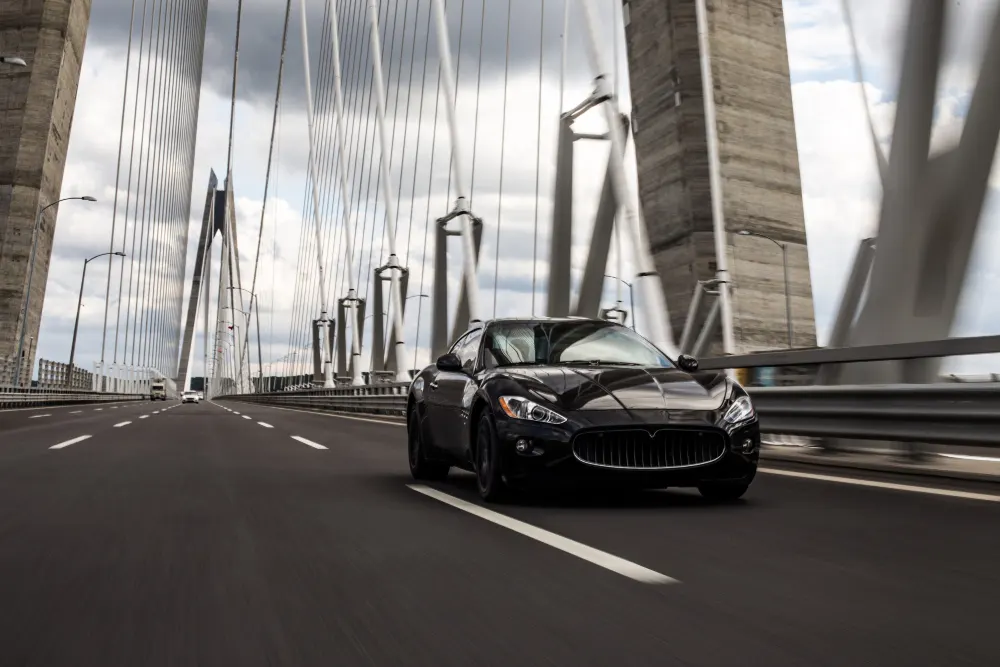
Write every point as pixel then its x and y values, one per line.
pixel 574 342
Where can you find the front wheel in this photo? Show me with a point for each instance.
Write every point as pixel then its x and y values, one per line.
pixel 489 472
pixel 722 491
pixel 420 467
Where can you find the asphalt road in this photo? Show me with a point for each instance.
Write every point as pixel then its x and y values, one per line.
pixel 197 536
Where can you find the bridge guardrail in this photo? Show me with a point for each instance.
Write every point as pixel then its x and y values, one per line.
pixel 25 397
pixel 378 399
pixel 949 414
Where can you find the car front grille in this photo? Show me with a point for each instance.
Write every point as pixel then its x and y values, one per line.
pixel 643 450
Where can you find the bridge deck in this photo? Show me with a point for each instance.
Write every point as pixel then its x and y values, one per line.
pixel 194 535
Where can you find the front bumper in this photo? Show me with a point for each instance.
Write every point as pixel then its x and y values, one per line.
pixel 551 460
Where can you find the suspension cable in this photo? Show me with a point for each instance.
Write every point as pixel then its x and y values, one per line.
pixel 538 157
pixel 128 184
pixel 118 173
pixel 479 82
pixel 263 207
pixel 430 171
pixel 503 147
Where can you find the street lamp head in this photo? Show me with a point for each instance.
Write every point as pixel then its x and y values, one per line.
pixel 88 198
pixel 119 254
pixel 14 61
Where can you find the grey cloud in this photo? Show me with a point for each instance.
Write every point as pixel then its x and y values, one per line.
pixel 261 26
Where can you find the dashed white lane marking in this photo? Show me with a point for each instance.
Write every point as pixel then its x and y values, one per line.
pixel 337 416
pixel 885 485
pixel 144 417
pixel 98 409
pixel 76 412
pixel 245 417
pixel 236 413
pixel 589 554
pixel 157 412
pixel 308 442
pixel 70 442
pixel 114 407
pixel 38 416
pixel 122 424
pixel 265 425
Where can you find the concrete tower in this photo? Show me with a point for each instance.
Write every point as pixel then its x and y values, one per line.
pixel 758 155
pixel 36 116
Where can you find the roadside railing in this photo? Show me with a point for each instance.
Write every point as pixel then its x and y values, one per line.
pixel 25 397
pixel 949 414
pixel 377 399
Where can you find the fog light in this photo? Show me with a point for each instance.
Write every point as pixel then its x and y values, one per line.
pixel 522 446
pixel 748 446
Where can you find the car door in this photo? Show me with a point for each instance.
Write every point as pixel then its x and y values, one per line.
pixel 452 389
pixel 438 410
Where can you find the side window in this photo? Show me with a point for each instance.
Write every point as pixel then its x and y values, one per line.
pixel 459 344
pixel 469 351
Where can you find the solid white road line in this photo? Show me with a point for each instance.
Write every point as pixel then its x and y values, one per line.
pixel 38 416
pixel 308 442
pixel 970 457
pixel 884 485
pixel 70 442
pixel 245 417
pixel 122 424
pixel 265 425
pixel 589 554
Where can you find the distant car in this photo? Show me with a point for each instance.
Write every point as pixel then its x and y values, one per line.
pixel 189 397
pixel 581 401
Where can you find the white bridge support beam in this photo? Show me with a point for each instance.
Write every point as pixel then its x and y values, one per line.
pixel 395 269
pixel 931 208
pixel 440 337
pixel 647 282
pixel 470 244
pixel 588 302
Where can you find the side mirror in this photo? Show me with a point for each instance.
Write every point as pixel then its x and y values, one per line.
pixel 687 363
pixel 449 363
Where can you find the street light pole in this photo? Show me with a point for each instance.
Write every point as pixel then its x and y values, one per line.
pixel 79 303
pixel 631 298
pixel 31 273
pixel 784 268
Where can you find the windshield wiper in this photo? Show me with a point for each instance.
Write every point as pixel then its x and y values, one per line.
pixel 599 362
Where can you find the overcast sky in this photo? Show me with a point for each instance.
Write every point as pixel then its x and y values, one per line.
pixel 840 188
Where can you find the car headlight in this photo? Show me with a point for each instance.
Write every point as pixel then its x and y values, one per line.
pixel 518 407
pixel 739 411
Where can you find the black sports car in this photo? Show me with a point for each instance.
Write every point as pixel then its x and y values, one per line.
pixel 579 400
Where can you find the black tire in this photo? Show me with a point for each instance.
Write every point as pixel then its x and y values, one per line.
pixel 489 471
pixel 421 468
pixel 722 491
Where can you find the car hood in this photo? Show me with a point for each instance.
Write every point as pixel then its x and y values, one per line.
pixel 623 387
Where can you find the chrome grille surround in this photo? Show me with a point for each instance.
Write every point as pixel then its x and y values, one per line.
pixel 654 449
